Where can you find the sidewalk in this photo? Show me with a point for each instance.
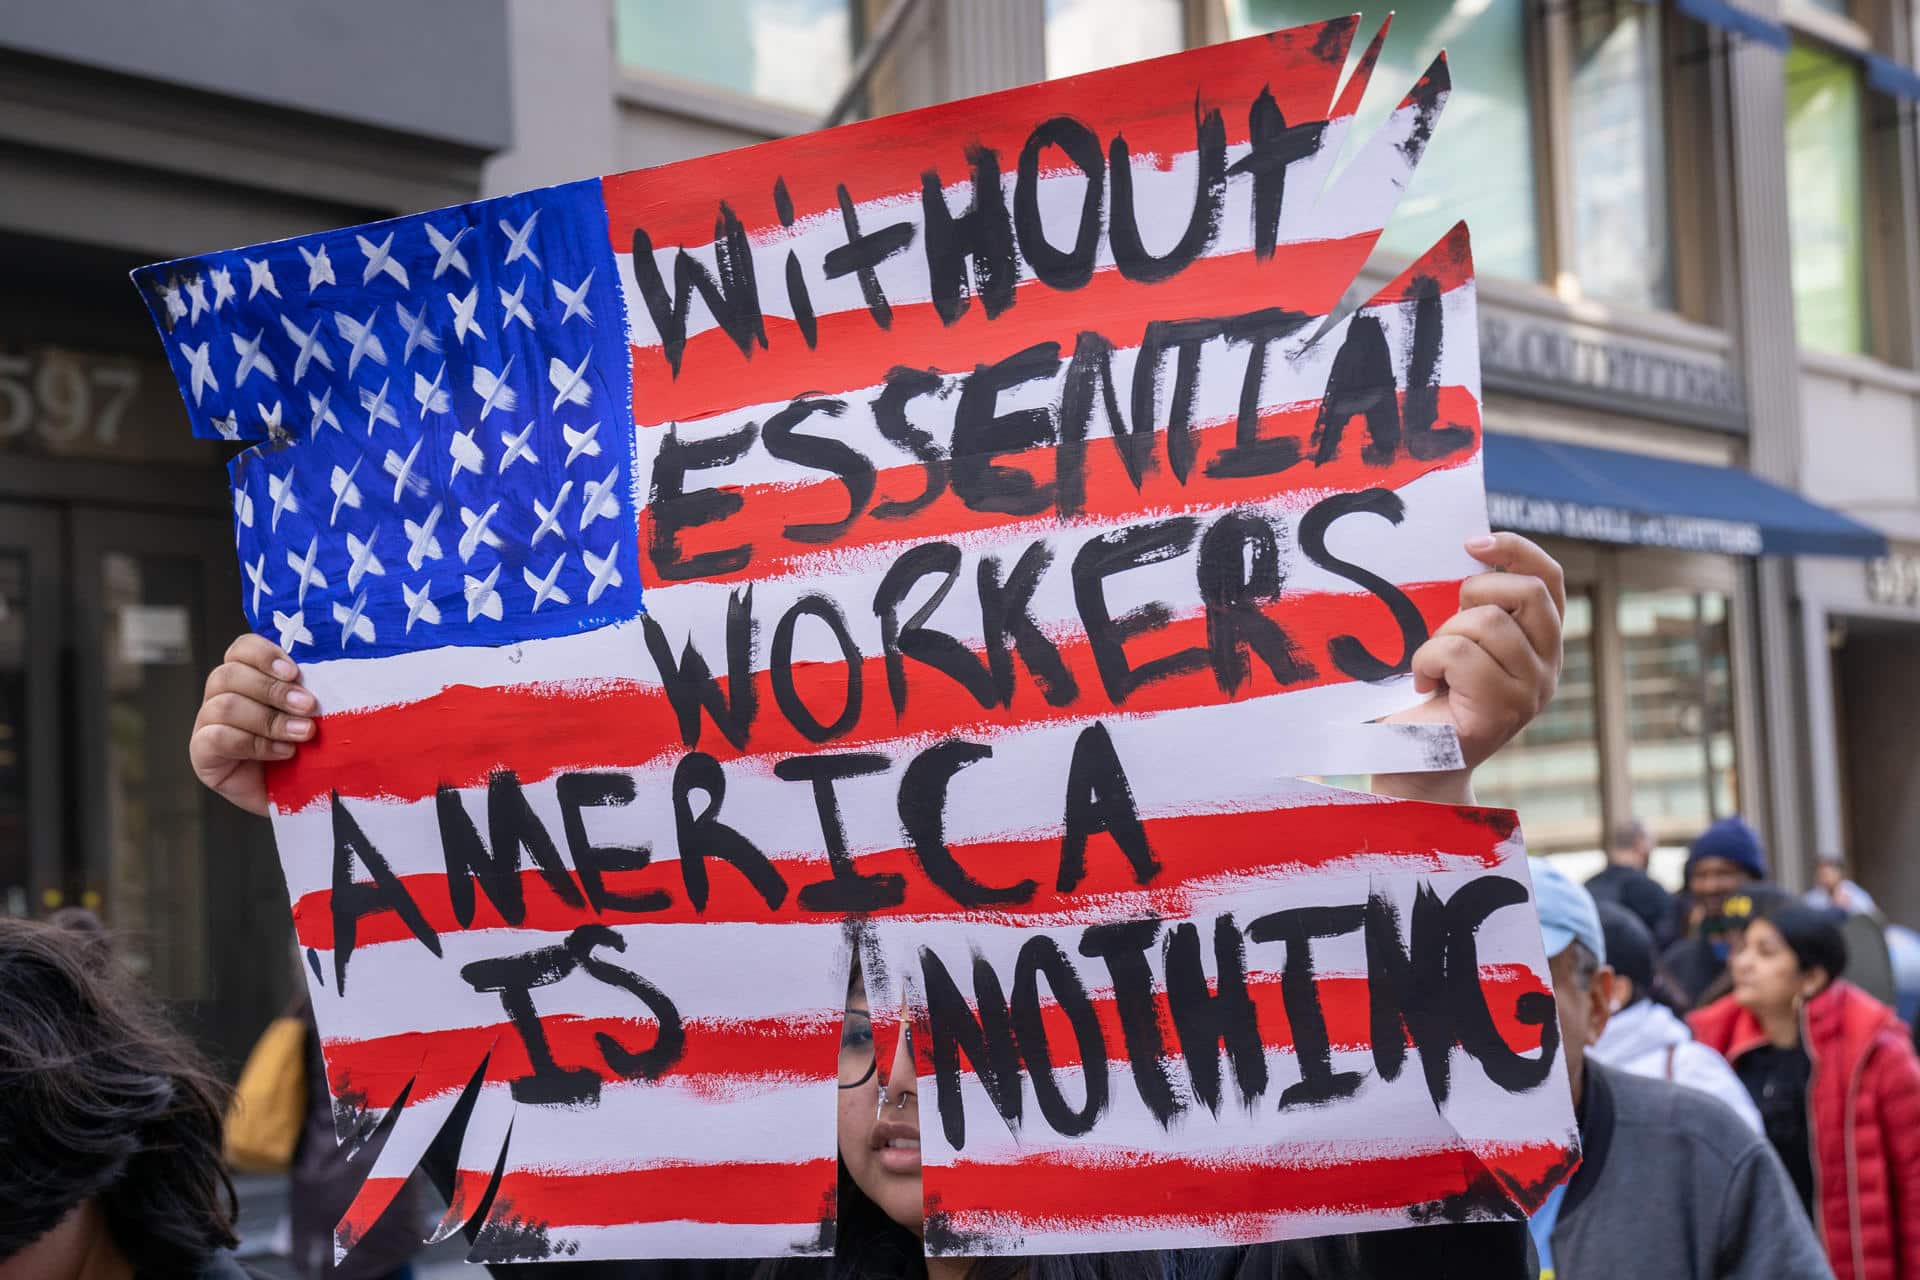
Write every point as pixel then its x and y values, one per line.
pixel 264 1235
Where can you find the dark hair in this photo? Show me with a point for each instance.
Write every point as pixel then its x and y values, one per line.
pixel 1811 934
pixel 868 1245
pixel 101 1099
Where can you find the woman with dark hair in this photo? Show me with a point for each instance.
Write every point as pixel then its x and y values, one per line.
pixel 110 1165
pixel 1837 1085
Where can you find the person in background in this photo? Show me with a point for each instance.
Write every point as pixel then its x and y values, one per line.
pixel 1725 875
pixel 1837 1084
pixel 110 1123
pixel 1832 888
pixel 1643 1035
pixel 1625 881
pixel 1671 1183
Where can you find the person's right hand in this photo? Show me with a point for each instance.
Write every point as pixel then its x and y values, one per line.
pixel 255 710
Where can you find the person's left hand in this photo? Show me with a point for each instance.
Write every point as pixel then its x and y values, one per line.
pixel 1495 663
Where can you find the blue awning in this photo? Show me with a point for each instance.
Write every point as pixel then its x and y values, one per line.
pixel 1731 18
pixel 1895 79
pixel 1604 495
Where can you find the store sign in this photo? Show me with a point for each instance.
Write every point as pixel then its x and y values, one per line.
pixel 1894 580
pixel 1556 361
pixel 1593 523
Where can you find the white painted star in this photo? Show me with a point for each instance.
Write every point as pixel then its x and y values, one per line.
pixel 600 500
pixel 257 574
pixel 420 605
pixel 197 295
pixel 574 300
pixel 477 532
pixel 378 410
pixel 401 469
pixel 517 447
pixel 431 396
pixel 550 516
pixel 544 588
pixel 260 276
pixel 304 570
pixel 345 492
pixel 493 389
pixel 229 426
pixel 421 544
pixel 354 624
pixel 292 628
pixel 605 570
pixel 517 246
pixel 380 259
pixel 418 334
pixel 511 304
pixel 463 309
pixel 200 368
pixel 482 599
pixel 222 278
pixel 251 358
pixel 362 560
pixel 466 453
pixel 176 305
pixel 312 349
pixel 280 489
pixel 270 418
pixel 448 251
pixel 581 442
pixel 243 507
pixel 321 407
pixel 319 267
pixel 364 340
pixel 570 385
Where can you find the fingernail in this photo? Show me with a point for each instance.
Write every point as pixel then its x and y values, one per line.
pixel 1483 542
pixel 299 700
pixel 285 669
pixel 299 728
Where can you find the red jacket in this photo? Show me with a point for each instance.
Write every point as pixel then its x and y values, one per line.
pixel 1864 1109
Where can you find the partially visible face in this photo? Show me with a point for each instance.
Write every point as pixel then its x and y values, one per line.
pixel 61 1252
pixel 1711 881
pixel 880 1143
pixel 1767 977
pixel 1583 1011
pixel 1828 876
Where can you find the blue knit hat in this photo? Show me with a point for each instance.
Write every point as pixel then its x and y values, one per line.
pixel 1734 840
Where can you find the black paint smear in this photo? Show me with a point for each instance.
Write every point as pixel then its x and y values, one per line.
pixel 1481 1200
pixel 313 963
pixel 1426 98
pixel 507 1237
pixel 941 1237
pixel 1334 40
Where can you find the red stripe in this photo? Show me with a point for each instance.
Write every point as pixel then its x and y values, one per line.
pixel 1061 1190
pixel 1193 849
pixel 1154 104
pixel 852 351
pixel 722 1057
pixel 768 510
pixel 456 736
pixel 733 1192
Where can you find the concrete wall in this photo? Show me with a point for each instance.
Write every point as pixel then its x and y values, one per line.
pixel 1877 688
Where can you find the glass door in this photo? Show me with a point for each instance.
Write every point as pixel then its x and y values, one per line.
pixel 31 758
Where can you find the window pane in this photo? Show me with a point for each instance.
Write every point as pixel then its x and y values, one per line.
pixel 1550 774
pixel 1086 35
pixel 1824 199
pixel 1479 165
pixel 1679 686
pixel 793 52
pixel 1619 154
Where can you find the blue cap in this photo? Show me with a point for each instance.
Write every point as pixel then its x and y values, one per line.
pixel 1734 840
pixel 1567 912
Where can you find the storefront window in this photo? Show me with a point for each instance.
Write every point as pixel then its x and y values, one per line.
pixel 1086 35
pixel 1619 154
pixel 1550 774
pixel 796 53
pixel 1825 198
pixel 1676 651
pixel 1479 165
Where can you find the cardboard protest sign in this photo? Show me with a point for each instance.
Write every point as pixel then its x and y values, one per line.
pixel 943 539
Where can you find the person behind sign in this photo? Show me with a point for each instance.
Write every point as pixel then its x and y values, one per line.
pixel 1726 867
pixel 1837 1084
pixel 1671 1182
pixel 1625 880
pixel 1492 667
pixel 110 1124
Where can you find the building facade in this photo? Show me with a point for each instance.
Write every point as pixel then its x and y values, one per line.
pixel 1695 228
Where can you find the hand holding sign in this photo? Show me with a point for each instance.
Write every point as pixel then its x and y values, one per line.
pixel 939 539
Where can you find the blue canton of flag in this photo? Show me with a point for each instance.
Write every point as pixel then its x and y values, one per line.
pixel 444 410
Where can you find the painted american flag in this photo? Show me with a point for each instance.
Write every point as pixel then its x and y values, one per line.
pixel 479 433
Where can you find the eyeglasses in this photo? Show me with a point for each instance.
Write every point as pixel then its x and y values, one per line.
pixel 858 1061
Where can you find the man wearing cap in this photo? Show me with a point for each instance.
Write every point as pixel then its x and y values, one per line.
pixel 1671 1182
pixel 1726 869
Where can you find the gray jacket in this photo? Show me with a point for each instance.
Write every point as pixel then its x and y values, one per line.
pixel 1673 1184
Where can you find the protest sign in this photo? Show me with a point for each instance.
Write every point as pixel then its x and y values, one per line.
pixel 943 539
